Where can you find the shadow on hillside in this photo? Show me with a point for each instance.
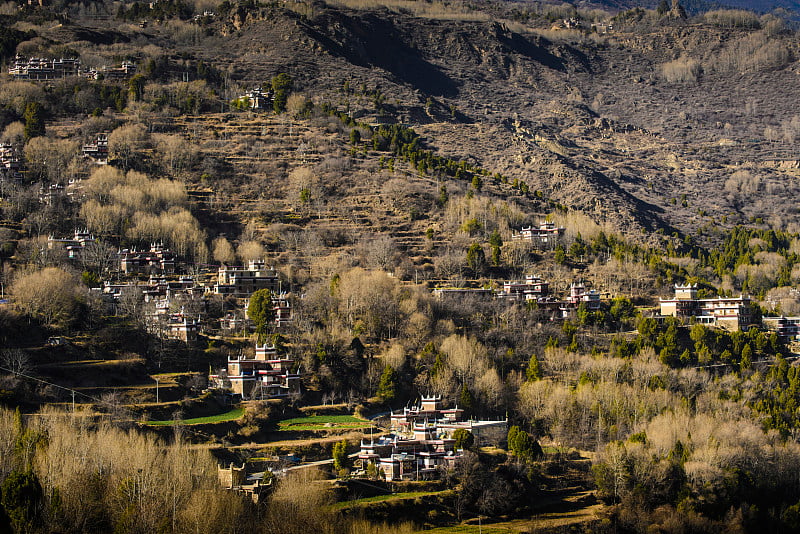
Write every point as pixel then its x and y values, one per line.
pixel 371 41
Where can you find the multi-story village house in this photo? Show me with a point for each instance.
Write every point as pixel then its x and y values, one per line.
pixel 545 236
pixel 258 99
pixel 241 282
pixel 578 294
pixel 177 326
pixel 38 69
pixel 98 150
pixel 422 440
pixel 122 72
pixel 74 245
pixel 731 313
pixel 158 259
pixel 262 375
pixel 532 288
pixel 787 328
pixel 10 162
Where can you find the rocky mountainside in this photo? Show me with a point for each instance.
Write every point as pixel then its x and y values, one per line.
pixel 643 125
pixel 642 122
pixel 696 6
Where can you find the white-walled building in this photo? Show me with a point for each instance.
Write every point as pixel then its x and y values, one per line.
pixel 241 282
pixel 731 313
pixel 532 288
pixel 546 235
pixel 263 375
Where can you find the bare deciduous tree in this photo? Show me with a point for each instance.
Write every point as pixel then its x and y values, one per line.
pixel 126 140
pixel 682 70
pixel 49 158
pixel 175 152
pixel 50 294
pixel 14 134
pixel 379 252
pixel 304 188
pixel 99 257
pixel 16 361
pixel 466 356
pixel 300 496
pixel 223 251
pixel 16 94
pixel 250 250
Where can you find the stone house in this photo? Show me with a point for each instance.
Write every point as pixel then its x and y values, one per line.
pixel 98 150
pixel 258 99
pixel 787 328
pixel 532 288
pixel 263 375
pixel 158 259
pixel 74 245
pixel 546 235
pixel 40 69
pixel 731 313
pixel 241 282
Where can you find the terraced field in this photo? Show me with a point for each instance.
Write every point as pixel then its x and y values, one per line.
pixel 323 422
pixel 231 415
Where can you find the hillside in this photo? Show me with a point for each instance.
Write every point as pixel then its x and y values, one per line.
pixel 243 233
pixel 700 6
pixel 593 121
pixel 582 118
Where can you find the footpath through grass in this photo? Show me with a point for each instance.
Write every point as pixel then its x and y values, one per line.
pixel 323 422
pixel 232 415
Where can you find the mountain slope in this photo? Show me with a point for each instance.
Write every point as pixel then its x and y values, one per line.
pixel 642 127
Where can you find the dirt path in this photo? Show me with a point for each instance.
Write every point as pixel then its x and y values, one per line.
pixel 575 508
pixel 580 507
pixel 284 443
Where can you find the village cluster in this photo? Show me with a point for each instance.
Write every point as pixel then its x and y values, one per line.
pixel 174 298
pixel 44 69
pixel 421 440
pixel 12 165
pixel 176 305
pixel 420 443
pixel 171 294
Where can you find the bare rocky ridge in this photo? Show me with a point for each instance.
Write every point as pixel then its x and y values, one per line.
pixel 589 121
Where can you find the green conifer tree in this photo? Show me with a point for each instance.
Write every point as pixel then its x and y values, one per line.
pixel 387 387
pixel 34 120
pixel 534 371
pixel 261 312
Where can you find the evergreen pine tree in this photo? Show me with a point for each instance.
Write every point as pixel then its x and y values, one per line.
pixel 261 312
pixel 387 387
pixel 34 120
pixel 534 371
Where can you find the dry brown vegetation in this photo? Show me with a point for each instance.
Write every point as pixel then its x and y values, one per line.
pixel 434 10
pixel 142 209
pixel 681 70
pixel 95 476
pixel 664 131
pixel 50 294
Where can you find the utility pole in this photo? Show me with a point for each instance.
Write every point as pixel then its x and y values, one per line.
pixel 73 401
pixel 156 379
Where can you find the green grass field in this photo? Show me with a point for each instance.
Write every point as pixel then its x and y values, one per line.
pixel 322 422
pixel 382 498
pixel 232 415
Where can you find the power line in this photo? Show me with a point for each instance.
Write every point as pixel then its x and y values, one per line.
pixel 73 391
